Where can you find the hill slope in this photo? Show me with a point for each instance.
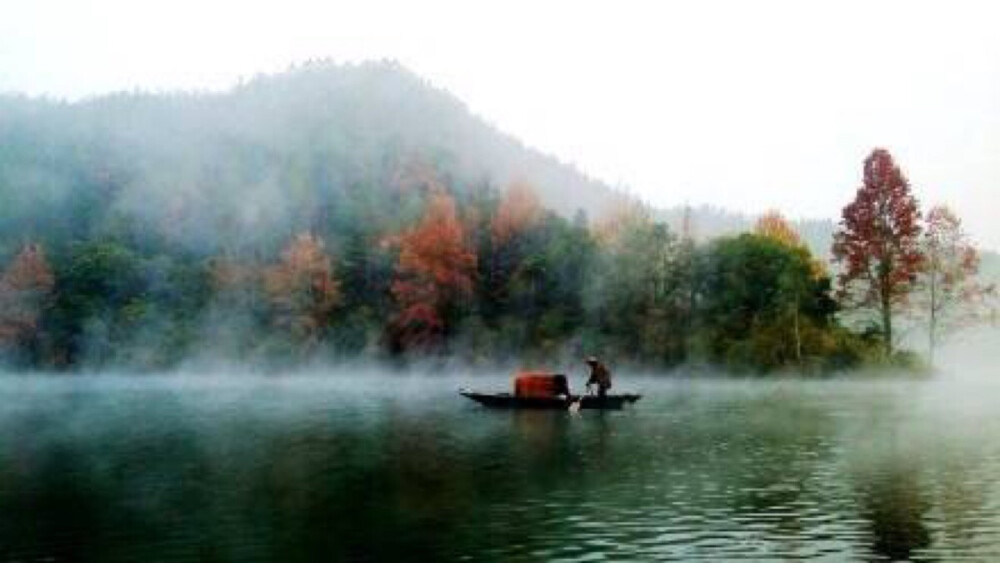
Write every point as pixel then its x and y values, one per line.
pixel 351 210
pixel 210 171
pixel 212 167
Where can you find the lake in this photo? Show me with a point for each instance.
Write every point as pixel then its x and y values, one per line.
pixel 307 468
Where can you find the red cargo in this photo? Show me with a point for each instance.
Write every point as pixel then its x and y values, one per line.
pixel 537 384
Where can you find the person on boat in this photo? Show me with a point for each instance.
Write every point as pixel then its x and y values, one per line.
pixel 599 375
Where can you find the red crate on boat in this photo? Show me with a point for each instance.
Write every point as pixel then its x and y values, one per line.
pixel 537 384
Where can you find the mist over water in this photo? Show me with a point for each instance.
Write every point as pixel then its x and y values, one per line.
pixel 326 466
pixel 237 319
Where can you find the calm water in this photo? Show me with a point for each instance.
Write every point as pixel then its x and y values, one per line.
pixel 402 468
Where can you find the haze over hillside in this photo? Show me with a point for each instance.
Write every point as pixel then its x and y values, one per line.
pixel 241 161
pixel 227 165
pixel 148 223
pixel 224 166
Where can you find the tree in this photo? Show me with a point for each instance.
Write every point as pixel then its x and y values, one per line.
pixel 622 214
pixel 772 224
pixel 100 296
pixel 877 244
pixel 234 283
pixel 365 269
pixel 762 305
pixel 950 291
pixel 520 209
pixel 639 291
pixel 433 275
pixel 302 288
pixel 24 287
pixel 512 262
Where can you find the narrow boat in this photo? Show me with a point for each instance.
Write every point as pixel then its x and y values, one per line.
pixel 559 402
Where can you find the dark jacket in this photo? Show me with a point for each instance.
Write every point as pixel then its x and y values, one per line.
pixel 600 376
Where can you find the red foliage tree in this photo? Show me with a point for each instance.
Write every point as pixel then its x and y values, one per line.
pixel 878 245
pixel 23 287
pixel 433 275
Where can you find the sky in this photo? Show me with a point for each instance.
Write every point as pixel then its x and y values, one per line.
pixel 744 105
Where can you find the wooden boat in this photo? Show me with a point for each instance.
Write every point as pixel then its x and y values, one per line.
pixel 563 402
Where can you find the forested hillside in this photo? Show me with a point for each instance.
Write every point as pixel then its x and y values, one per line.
pixel 244 168
pixel 343 211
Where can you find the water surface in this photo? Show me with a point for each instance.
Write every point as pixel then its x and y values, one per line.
pixel 402 468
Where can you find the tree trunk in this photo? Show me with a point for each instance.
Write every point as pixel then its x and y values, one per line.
pixel 798 333
pixel 932 326
pixel 931 343
pixel 887 323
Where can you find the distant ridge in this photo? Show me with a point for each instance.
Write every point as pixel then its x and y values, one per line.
pixel 392 106
pixel 258 154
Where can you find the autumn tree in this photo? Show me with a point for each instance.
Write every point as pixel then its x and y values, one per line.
pixel 950 292
pixel 433 276
pixel 24 286
pixel 519 210
pixel 233 282
pixel 878 243
pixel 302 288
pixel 772 224
pixel 621 215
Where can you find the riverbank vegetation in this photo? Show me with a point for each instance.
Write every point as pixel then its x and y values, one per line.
pixel 292 220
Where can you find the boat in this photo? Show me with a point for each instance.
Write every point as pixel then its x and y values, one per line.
pixel 544 390
pixel 558 402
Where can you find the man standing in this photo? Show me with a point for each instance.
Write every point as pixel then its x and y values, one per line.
pixel 600 376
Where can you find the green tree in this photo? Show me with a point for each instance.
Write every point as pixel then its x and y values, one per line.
pixel 640 291
pixel 99 300
pixel 762 305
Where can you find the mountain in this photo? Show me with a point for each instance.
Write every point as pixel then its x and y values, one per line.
pixel 208 169
pixel 211 167
pixel 244 219
pixel 211 171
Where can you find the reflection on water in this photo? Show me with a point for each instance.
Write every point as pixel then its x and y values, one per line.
pixel 115 469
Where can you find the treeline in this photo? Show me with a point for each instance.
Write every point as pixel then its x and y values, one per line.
pixel 491 275
pixel 481 278
pixel 343 212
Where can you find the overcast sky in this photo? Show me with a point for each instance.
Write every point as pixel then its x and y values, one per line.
pixel 746 105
